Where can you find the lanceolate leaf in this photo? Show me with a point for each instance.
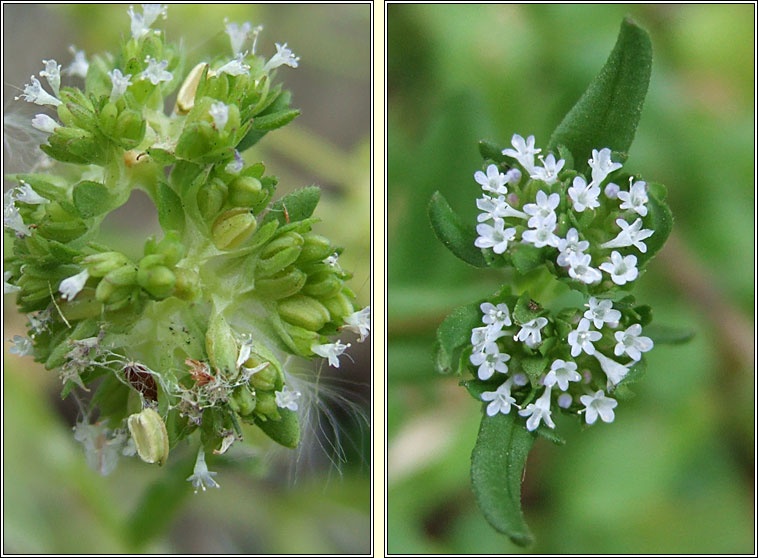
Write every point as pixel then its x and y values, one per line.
pixel 608 112
pixel 497 465
pixel 660 220
pixel 453 233
pixel 454 335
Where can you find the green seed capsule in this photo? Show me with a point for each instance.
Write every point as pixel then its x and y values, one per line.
pixel 187 284
pixel 158 280
pixel 339 306
pixel 304 311
pixel 211 198
pixel 130 128
pixel 100 264
pixel 221 346
pixel 150 436
pixel 242 401
pixel 286 283
pixel 245 191
pixel 266 379
pixel 265 405
pixel 232 228
pixel 123 276
pixel 316 248
pixel 324 284
pixel 108 118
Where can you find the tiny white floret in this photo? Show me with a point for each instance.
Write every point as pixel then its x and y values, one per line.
pixel 598 405
pixel 614 371
pixel 489 361
pixel 543 209
pixel 601 312
pixel 496 316
pixel 44 123
pixel 79 66
pixel 580 269
pixel 621 269
pixel 501 399
pixel 283 57
pixel 584 195
pixel 496 237
pixel 636 198
pixel 119 83
pixel 52 73
pixel 330 351
pixel 33 93
pixel 630 235
pixel 235 67
pixel 582 338
pixel 220 114
pixel 539 411
pixel 22 346
pixel 493 181
pixel 602 165
pixel 73 285
pixel 549 170
pixel 359 322
pixel 632 342
pixel 287 399
pixel 562 372
pixel 570 247
pixel 524 152
pixel 201 477
pixel 530 333
pixel 156 71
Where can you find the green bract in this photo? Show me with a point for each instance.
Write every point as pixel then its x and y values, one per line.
pixel 573 232
pixel 196 333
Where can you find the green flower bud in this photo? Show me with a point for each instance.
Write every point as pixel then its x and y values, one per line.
pixel 185 100
pixel 211 198
pixel 100 264
pixel 316 248
pixel 130 128
pixel 267 379
pixel 287 240
pixel 304 311
pixel 242 401
pixel 157 280
pixel 265 405
pixel 187 284
pixel 339 306
pixel 171 247
pixel 150 436
pixel 286 283
pixel 232 228
pixel 221 346
pixel 245 191
pixel 82 117
pixel 278 254
pixel 324 284
pixel 108 118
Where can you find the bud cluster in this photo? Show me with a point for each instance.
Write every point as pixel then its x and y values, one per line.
pixel 199 329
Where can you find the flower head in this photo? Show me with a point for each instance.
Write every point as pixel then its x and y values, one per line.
pixel 35 94
pixel 330 351
pixel 283 56
pixel 538 411
pixel 156 71
pixel 621 269
pixel 632 342
pixel 287 399
pixel 582 338
pixel 201 477
pixel 602 165
pixel 596 405
pixel 501 399
pixel 530 333
pixel 359 322
pixel 71 286
pixel 524 152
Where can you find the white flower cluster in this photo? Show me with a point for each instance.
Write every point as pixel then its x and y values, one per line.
pixel 498 204
pixel 490 359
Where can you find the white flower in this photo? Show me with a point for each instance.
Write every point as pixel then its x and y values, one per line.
pixel 582 339
pixel 496 209
pixel 548 173
pixel 238 34
pixel 44 123
pixel 612 190
pixel 512 176
pixel 524 152
pixel 495 316
pixel 220 114
pixel 71 286
pixel 236 166
pixel 598 405
pixel 583 195
pixel 636 198
pixel 543 234
pixel 632 343
pixel 602 165
pixel 495 237
pixel 245 350
pixel 561 372
pixel 494 181
pixel 201 477
pixel 287 399
pixel 565 400
pixel 530 332
pixel 482 337
pixel 11 216
pixel 283 56
pixel 7 287
pixel 614 371
pixel 580 269
pixel 630 235
pixel 543 209
pixel 235 67
pixel 621 269
pixel 25 194
pixel 538 411
pixel 22 346
pixel 601 311
pixel 35 94
pixel 119 84
pixel 156 71
pixel 333 261
pixel 570 246
pixel 141 23
pixel 52 73
pixel 79 66
pixel 330 351
pixel 489 361
pixel 501 399
pixel 359 322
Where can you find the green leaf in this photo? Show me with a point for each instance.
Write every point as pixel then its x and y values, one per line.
pixel 660 220
pixel 275 120
pixel 526 309
pixel 666 335
pixel 285 431
pixel 299 205
pixel 550 434
pixel 534 367
pixel 91 198
pixel 489 150
pixel 608 112
pixel 451 231
pixel 454 336
pixel 526 257
pixel 170 209
pixel 497 465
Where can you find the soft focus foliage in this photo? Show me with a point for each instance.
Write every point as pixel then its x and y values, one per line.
pixel 674 471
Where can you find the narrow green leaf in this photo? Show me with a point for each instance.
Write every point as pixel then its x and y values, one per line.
pixel 497 465
pixel 285 432
pixel 454 335
pixel 451 231
pixel 489 150
pixel 295 206
pixel 550 434
pixel 666 335
pixel 91 198
pixel 608 112
pixel 275 120
pixel 660 220
pixel 170 209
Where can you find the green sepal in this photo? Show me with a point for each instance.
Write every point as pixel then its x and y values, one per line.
pixel 170 208
pixel 497 466
pixel 453 233
pixel 608 112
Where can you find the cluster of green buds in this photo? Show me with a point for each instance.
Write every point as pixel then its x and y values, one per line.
pixel 198 332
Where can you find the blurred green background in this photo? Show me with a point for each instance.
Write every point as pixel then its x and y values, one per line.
pixel 270 501
pixel 675 472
